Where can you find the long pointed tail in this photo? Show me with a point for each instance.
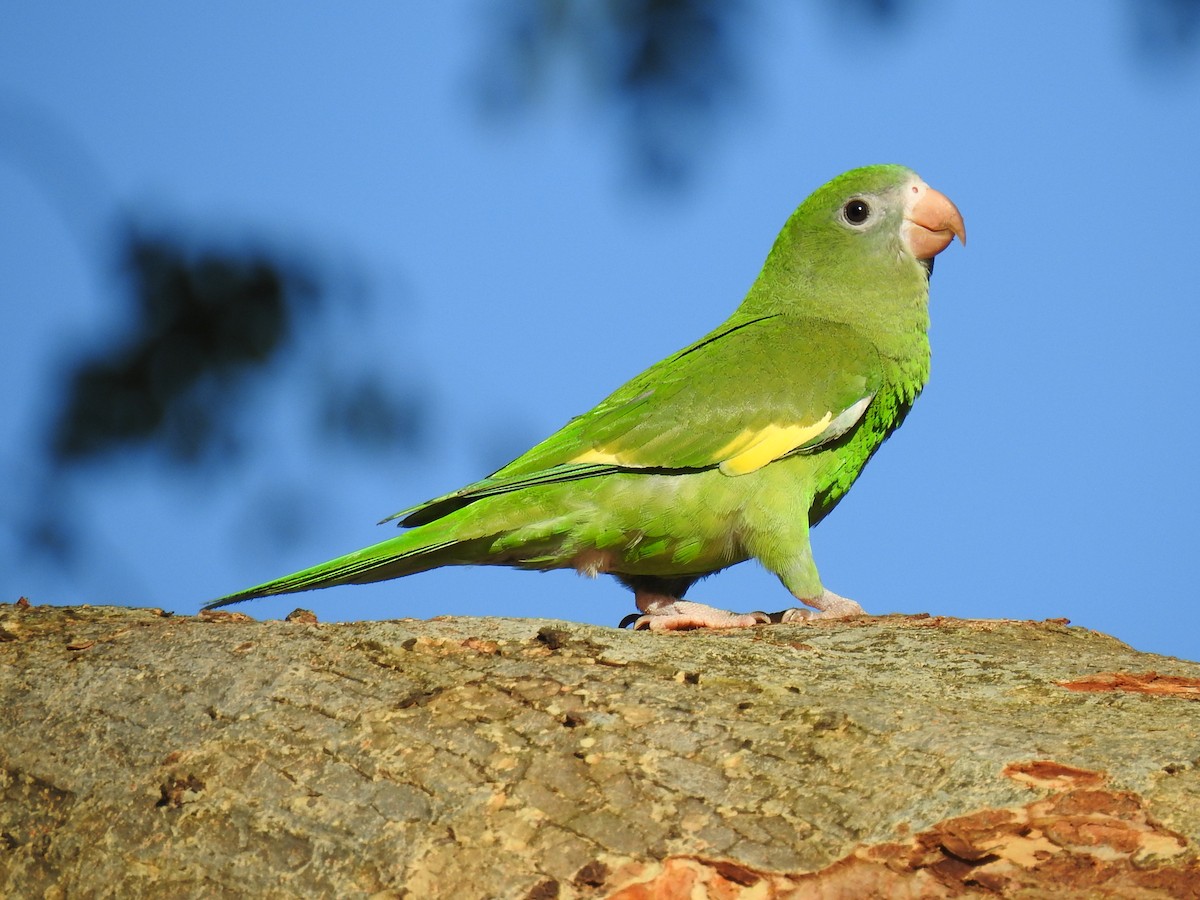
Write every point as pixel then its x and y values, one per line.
pixel 405 554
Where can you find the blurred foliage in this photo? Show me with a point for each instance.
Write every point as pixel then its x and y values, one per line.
pixel 665 68
pixel 1165 30
pixel 366 413
pixel 669 71
pixel 202 323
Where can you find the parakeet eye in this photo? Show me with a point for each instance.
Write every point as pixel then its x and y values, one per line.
pixel 856 211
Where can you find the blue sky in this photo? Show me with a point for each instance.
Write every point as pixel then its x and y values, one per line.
pixel 519 273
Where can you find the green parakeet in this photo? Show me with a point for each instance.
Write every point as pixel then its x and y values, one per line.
pixel 728 450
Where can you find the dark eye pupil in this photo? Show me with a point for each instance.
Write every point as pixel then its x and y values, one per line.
pixel 857 211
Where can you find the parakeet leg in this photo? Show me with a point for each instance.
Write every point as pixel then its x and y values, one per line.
pixel 664 609
pixel 828 606
pixel 781 545
pixel 801 578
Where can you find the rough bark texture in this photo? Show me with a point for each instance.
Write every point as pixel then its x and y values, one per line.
pixel 151 755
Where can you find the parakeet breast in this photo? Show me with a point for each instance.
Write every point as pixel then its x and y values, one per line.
pixel 843 462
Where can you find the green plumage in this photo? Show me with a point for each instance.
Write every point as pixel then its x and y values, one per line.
pixel 728 450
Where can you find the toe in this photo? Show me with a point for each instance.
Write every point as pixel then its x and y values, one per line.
pixel 683 615
pixel 792 616
pixel 833 606
pixel 688 622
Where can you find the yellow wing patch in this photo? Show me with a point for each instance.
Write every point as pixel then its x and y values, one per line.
pixel 751 450
pixel 599 455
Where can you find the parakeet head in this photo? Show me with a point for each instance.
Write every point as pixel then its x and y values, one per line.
pixel 883 209
pixel 862 243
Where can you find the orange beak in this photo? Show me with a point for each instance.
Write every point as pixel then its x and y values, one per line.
pixel 933 223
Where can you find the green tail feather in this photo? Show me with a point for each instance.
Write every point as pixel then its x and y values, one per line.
pixel 403 555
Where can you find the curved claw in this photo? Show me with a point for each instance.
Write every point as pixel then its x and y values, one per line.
pixel 631 619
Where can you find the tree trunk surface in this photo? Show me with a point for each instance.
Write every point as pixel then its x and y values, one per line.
pixel 150 755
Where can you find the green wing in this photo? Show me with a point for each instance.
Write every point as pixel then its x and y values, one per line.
pixel 749 393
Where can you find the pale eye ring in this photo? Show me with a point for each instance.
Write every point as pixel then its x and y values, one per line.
pixel 856 211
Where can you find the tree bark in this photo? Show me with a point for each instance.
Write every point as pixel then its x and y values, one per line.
pixel 150 755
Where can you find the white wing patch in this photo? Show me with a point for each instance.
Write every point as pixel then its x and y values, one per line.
pixel 842 422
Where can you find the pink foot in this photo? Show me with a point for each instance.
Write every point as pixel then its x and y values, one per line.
pixel 828 606
pixel 662 613
pixel 680 615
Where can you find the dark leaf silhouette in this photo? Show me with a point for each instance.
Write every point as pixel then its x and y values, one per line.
pixel 364 412
pixel 665 69
pixel 668 71
pixel 1166 29
pixel 203 323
